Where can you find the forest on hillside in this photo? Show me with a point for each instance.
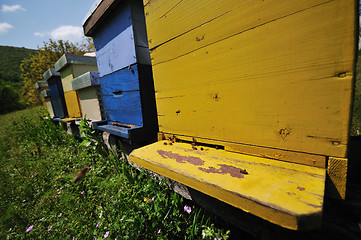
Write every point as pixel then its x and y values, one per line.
pixel 10 80
pixel 10 60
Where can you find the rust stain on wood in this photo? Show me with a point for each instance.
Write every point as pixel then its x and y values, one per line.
pixel 181 159
pixel 301 188
pixel 224 169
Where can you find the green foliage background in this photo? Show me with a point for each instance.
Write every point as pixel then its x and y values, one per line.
pixel 21 68
pixel 10 60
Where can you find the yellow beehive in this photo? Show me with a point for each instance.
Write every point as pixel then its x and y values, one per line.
pixel 272 79
pixel 71 66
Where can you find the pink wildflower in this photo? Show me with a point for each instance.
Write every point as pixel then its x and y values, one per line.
pixel 29 228
pixel 187 209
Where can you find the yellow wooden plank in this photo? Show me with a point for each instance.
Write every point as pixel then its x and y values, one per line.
pixel 238 16
pixel 337 176
pixel 271 153
pixel 169 19
pixel 287 194
pixel 286 84
pixel 72 104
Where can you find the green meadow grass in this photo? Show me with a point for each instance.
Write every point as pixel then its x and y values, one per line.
pixel 38 199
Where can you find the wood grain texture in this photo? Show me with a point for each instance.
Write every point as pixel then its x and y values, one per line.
pixel 270 153
pixel 97 16
pixel 294 196
pixel 121 40
pixel 290 90
pixel 167 20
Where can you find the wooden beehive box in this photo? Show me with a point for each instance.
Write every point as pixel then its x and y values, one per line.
pixel 40 86
pixel 88 87
pixel 47 98
pixel 56 91
pixel 270 79
pixel 119 34
pixel 71 66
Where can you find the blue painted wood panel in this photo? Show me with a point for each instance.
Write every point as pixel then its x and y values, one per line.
pixel 123 80
pixel 123 108
pixel 114 40
pixel 57 97
pixel 121 96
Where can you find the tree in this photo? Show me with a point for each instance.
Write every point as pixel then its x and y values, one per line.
pixel 9 99
pixel 33 68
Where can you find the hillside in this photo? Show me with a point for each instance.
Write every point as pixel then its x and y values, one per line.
pixel 10 60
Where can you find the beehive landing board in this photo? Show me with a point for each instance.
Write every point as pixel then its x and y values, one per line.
pixel 288 194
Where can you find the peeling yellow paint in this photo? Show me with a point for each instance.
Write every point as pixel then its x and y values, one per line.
pixel 261 186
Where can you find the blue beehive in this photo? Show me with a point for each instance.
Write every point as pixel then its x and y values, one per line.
pixel 56 92
pixel 120 40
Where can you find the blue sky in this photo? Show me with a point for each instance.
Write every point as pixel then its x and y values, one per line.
pixel 27 23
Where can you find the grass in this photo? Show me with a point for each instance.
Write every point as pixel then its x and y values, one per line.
pixel 38 199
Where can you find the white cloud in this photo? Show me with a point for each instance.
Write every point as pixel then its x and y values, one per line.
pixel 41 34
pixel 12 8
pixel 5 27
pixel 67 32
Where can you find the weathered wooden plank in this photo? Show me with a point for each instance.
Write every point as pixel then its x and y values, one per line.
pixel 270 153
pixel 124 80
pixel 124 107
pixel 120 35
pixel 72 103
pixel 112 58
pixel 96 15
pixel 290 91
pixel 169 19
pixel 294 195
